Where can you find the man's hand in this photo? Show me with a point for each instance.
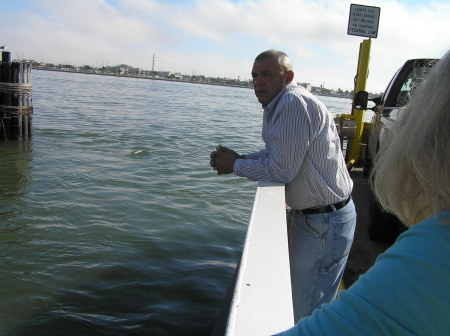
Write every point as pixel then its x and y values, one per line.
pixel 224 149
pixel 223 158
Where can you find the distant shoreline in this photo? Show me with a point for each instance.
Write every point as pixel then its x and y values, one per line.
pixel 174 80
pixel 148 77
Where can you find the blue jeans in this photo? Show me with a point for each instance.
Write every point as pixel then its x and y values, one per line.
pixel 319 245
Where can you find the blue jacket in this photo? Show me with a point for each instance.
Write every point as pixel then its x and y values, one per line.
pixel 406 292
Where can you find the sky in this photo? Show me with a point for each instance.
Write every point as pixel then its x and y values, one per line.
pixel 221 38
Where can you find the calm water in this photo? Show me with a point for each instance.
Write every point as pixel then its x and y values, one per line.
pixel 111 220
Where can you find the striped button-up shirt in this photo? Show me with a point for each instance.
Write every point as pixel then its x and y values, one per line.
pixel 302 150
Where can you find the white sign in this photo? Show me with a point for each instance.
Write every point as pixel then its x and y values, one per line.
pixel 363 21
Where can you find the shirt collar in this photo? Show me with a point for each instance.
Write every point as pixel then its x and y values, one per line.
pixel 274 102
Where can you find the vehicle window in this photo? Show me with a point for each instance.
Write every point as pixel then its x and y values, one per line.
pixel 414 78
pixel 404 94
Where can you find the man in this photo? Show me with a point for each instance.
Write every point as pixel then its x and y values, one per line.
pixel 302 150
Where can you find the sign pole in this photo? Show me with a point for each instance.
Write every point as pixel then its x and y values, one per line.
pixel 363 21
pixel 360 85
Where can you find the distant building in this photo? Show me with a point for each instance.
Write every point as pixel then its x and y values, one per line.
pixel 307 86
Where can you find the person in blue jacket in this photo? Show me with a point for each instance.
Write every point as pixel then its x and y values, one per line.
pixel 407 291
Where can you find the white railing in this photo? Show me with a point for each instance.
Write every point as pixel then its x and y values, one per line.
pixel 262 298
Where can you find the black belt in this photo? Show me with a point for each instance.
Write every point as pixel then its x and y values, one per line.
pixel 326 208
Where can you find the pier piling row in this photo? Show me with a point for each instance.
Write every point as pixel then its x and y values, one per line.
pixel 16 110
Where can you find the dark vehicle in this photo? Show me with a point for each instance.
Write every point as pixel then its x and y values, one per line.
pixel 385 226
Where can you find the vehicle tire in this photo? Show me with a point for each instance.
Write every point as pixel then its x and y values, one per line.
pixel 383 226
pixel 367 164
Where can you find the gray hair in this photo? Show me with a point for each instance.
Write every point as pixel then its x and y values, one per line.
pixel 411 173
pixel 280 57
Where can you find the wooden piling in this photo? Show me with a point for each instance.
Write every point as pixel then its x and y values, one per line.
pixel 16 118
pixel 16 109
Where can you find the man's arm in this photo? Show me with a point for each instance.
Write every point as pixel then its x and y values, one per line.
pixel 289 136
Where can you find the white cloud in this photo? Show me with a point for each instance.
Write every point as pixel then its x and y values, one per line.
pixel 221 38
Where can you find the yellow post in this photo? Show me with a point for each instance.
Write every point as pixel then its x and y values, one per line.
pixel 360 85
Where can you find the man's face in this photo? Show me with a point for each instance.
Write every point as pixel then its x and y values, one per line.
pixel 268 80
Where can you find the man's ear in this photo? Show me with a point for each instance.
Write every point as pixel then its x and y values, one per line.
pixel 289 76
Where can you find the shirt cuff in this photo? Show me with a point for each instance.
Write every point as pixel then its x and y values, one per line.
pixel 236 166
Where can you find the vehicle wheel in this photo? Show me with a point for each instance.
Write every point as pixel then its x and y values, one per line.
pixel 383 226
pixel 367 164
